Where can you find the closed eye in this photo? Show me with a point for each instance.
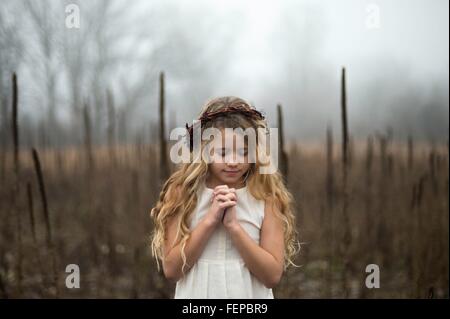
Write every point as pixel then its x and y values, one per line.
pixel 221 152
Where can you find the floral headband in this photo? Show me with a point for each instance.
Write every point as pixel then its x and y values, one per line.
pixel 210 116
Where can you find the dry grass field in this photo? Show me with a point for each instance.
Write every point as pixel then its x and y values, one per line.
pixel 92 209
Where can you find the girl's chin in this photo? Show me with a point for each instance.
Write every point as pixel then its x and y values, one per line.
pixel 231 177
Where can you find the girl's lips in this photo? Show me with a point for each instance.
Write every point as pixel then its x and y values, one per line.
pixel 231 172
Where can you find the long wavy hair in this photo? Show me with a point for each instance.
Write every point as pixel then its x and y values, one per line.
pixel 189 177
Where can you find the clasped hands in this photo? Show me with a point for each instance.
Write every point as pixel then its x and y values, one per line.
pixel 223 207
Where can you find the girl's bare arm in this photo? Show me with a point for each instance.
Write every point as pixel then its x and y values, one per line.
pixel 196 243
pixel 265 261
pixel 194 247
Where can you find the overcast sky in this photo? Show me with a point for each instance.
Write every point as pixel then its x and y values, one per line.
pixel 396 53
pixel 408 50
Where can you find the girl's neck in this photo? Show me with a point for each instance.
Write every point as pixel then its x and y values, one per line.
pixel 212 182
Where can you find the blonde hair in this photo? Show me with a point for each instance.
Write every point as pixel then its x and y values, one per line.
pixel 178 195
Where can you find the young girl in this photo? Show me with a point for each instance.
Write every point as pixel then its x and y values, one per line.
pixel 223 229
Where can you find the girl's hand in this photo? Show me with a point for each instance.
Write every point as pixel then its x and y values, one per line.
pixel 223 198
pixel 229 219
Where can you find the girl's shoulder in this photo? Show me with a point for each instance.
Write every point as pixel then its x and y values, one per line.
pixel 266 199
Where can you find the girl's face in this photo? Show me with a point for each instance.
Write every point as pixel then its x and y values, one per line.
pixel 229 164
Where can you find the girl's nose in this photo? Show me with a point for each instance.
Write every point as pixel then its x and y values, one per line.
pixel 232 161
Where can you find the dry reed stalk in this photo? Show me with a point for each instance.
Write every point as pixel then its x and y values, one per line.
pixel 350 151
pixel 345 137
pixel 328 219
pixel 346 240
pixel 389 157
pixel 432 166
pixel 31 212
pixel 283 157
pixel 415 248
pixel 164 169
pixel 410 153
pixel 15 199
pixel 48 229
pixel 330 169
pixel 383 154
pixel 88 137
pixel 6 230
pixel 33 228
pixel 369 160
pixel 15 124
pixel 4 136
pixel 382 190
pixel 20 254
pixel 368 220
pixel 111 125
pixel 368 192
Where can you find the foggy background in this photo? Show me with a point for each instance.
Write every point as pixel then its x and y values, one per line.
pixel 268 52
pixel 92 162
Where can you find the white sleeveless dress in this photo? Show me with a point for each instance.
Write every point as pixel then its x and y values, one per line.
pixel 220 272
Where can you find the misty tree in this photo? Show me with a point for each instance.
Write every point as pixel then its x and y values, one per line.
pixel 43 23
pixel 120 47
pixel 11 46
pixel 197 47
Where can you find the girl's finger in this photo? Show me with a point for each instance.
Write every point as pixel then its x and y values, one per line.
pixel 224 191
pixel 227 204
pixel 220 187
pixel 231 196
pixel 226 197
pixel 222 198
